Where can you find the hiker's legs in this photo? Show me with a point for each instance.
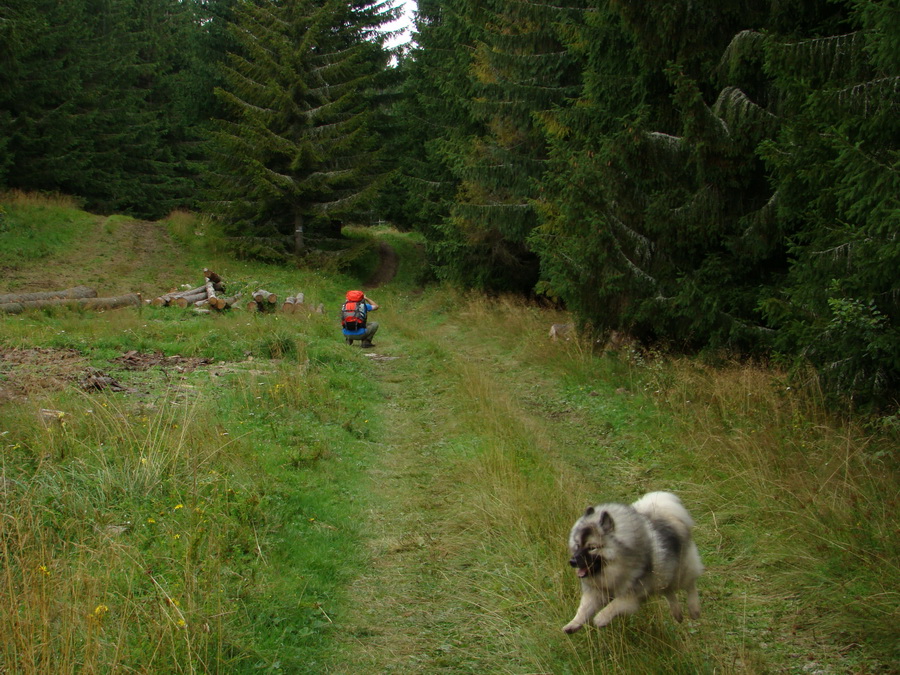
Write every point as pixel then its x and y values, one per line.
pixel 371 329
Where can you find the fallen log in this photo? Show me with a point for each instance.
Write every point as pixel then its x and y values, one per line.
pixel 212 276
pixel 261 301
pixel 132 299
pixel 220 303
pixel 185 300
pixel 228 303
pixel 76 292
pixel 292 303
pixel 211 294
pixel 165 300
pixel 262 296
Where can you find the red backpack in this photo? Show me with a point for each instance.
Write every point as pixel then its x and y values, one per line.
pixel 353 312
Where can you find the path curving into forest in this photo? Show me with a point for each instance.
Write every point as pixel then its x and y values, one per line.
pixel 388 264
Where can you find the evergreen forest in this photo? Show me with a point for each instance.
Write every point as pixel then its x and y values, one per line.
pixel 705 176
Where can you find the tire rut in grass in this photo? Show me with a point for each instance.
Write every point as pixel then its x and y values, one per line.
pixel 405 614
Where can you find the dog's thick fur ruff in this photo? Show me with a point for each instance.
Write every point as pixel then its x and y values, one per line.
pixel 623 554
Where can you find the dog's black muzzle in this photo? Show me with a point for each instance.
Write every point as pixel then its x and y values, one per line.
pixel 585 564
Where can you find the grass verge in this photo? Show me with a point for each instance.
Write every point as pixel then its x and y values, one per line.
pixel 271 500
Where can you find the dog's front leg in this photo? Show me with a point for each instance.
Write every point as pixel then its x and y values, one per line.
pixel 590 603
pixel 626 604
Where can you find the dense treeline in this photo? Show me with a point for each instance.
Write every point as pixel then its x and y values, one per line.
pixel 300 150
pixel 105 100
pixel 701 174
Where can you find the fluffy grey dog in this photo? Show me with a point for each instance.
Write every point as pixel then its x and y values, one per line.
pixel 623 554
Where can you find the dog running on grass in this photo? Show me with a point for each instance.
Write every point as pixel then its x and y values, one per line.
pixel 624 554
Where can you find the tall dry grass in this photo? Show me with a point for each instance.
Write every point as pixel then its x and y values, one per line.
pixel 112 541
pixel 808 494
pixel 51 199
pixel 796 506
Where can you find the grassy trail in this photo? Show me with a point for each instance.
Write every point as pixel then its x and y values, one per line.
pixel 471 505
pixel 298 506
pixel 406 616
pixel 491 441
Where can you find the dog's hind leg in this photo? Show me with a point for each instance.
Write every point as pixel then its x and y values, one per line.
pixel 693 568
pixel 626 604
pixel 589 605
pixel 693 600
pixel 674 606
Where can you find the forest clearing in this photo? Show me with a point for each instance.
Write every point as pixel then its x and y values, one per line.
pixel 614 248
pixel 256 496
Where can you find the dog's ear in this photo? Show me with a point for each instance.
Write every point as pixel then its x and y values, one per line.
pixel 607 524
pixel 589 511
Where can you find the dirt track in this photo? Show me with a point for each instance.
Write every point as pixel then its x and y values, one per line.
pixel 389 263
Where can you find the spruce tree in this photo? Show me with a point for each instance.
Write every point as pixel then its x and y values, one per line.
pixel 91 97
pixel 518 70
pixel 299 152
pixel 11 49
pixel 434 116
pixel 834 164
pixel 651 193
pixel 738 192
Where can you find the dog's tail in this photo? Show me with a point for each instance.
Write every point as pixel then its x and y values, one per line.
pixel 663 505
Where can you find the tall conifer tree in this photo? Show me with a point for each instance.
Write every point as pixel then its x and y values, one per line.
pixel 518 69
pixel 435 116
pixel 299 151
pixel 835 165
pixel 735 184
pixel 649 238
pixel 91 98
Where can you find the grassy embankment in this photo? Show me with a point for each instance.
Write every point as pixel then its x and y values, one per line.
pixel 296 506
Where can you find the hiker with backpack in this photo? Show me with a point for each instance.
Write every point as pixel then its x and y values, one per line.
pixel 354 319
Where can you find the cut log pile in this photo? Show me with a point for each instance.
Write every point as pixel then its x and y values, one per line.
pixel 262 301
pixel 208 296
pixel 204 299
pixel 292 303
pixel 80 296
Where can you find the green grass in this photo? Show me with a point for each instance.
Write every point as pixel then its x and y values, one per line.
pixel 296 506
pixel 206 503
pixel 32 229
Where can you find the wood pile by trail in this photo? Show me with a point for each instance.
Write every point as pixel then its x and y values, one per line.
pixel 208 296
pixel 80 296
pixel 262 301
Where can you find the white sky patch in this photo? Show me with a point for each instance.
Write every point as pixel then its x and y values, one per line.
pixel 404 23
